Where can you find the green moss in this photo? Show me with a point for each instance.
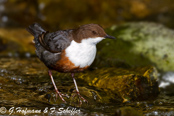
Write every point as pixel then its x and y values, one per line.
pixel 137 44
pixel 118 53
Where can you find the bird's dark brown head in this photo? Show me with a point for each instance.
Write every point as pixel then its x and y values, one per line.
pixel 89 31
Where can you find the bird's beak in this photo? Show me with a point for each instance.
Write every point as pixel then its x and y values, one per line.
pixel 111 37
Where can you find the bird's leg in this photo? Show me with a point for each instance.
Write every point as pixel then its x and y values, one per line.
pixel 77 90
pixel 57 91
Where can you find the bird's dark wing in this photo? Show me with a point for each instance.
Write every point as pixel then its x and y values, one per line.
pixel 56 41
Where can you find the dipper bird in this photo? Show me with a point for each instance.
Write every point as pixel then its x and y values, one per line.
pixel 67 51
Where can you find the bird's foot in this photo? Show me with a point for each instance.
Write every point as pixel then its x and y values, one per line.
pixel 61 96
pixel 64 95
pixel 80 98
pixel 57 91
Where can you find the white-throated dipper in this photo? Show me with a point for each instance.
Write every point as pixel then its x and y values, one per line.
pixel 67 51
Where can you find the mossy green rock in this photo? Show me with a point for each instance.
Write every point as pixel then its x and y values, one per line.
pixel 138 44
pixel 124 85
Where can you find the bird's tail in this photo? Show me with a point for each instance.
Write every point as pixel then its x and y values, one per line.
pixel 35 29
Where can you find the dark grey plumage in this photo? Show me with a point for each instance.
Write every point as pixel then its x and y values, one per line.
pixel 56 41
pixel 49 45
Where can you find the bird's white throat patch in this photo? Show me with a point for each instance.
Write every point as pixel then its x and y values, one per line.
pixel 83 54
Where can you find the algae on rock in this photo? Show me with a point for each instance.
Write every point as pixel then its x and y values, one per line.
pixel 138 44
pixel 124 85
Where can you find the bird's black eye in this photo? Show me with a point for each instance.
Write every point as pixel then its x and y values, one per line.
pixel 94 32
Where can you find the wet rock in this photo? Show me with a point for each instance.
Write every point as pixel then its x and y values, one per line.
pixel 123 85
pixel 138 44
pixel 26 81
pixel 90 95
pixel 97 86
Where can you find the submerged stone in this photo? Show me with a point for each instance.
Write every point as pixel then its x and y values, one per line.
pixel 124 85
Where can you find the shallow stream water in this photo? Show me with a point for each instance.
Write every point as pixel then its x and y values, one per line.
pixel 25 85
